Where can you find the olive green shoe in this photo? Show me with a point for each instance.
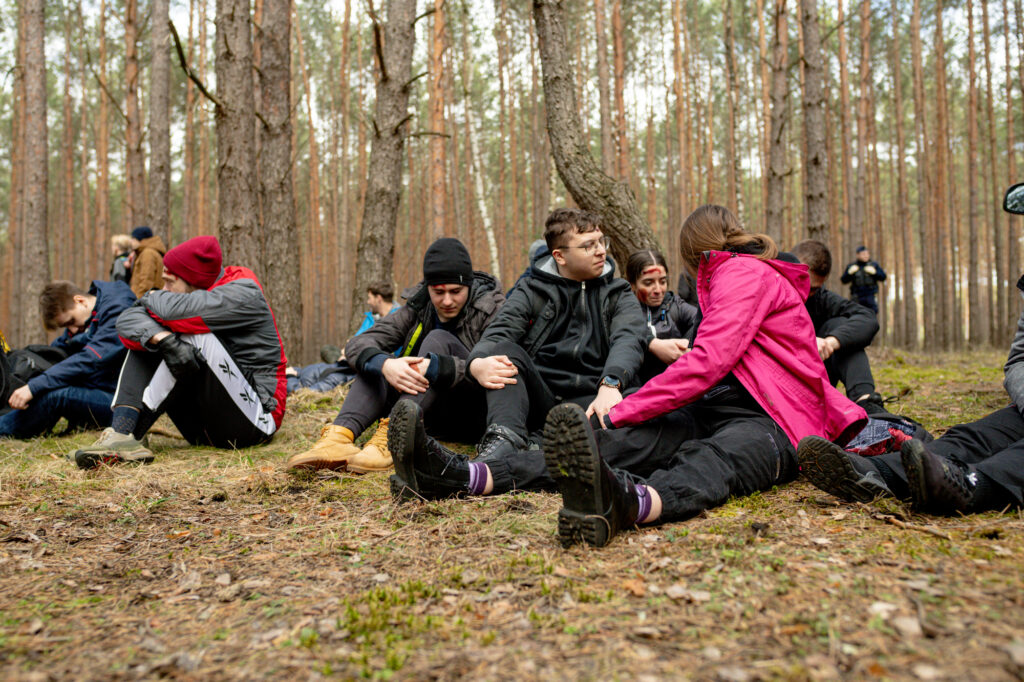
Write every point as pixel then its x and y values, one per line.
pixel 113 448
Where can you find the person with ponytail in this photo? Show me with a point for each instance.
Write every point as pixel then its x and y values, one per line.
pixel 751 386
pixel 671 321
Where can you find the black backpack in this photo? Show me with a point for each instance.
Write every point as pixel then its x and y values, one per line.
pixel 20 365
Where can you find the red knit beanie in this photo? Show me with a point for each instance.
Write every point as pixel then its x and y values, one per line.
pixel 197 261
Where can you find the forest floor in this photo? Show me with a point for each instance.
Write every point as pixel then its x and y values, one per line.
pixel 221 565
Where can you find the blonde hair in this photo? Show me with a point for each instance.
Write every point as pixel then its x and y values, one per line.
pixel 122 242
pixel 715 228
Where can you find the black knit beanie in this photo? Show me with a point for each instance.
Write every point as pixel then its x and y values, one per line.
pixel 447 262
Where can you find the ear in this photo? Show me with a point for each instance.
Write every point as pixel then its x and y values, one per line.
pixel 558 256
pixel 79 298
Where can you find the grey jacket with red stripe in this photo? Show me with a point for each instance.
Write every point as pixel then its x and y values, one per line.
pixel 234 310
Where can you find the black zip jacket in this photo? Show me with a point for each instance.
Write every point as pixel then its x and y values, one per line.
pixel 859 325
pixel 576 332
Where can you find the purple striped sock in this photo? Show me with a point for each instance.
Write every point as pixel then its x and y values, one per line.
pixel 477 478
pixel 645 503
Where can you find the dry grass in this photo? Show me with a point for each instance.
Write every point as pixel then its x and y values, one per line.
pixel 212 564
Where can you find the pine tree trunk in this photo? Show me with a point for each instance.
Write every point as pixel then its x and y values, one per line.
pixel 680 110
pixel 436 125
pixel 623 166
pixel 949 326
pixel 236 177
pixel 103 228
pixel 902 224
pixel 203 203
pixel 16 225
pixel 1000 318
pixel 394 47
pixel 188 214
pixel 776 198
pixel 84 263
pixel 590 187
pixel 766 107
pixel 731 157
pixel 135 160
pixel 816 162
pixel 280 275
pixel 860 200
pixel 973 281
pixel 1012 222
pixel 35 266
pixel 159 123
pixel 924 186
pixel 604 90
pixel 71 244
pixel 846 236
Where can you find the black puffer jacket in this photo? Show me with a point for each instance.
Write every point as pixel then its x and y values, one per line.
pixel 405 329
pixel 576 332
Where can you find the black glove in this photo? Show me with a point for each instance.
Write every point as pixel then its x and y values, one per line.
pixel 182 358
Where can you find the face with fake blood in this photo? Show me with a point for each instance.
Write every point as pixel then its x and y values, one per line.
pixel 651 286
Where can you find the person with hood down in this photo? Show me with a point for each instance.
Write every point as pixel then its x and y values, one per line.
pixel 723 419
pixel 570 330
pixel 206 351
pixel 420 351
pixel 147 261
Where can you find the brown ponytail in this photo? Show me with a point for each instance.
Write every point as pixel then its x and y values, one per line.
pixel 715 228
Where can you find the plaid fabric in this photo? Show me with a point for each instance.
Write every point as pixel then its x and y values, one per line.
pixel 880 436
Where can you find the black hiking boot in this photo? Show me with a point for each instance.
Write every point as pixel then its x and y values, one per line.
pixel 424 469
pixel 597 501
pixel 937 485
pixel 848 476
pixel 499 442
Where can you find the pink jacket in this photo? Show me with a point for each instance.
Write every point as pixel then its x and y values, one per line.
pixel 755 325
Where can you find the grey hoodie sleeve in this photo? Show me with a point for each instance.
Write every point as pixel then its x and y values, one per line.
pixel 1014 367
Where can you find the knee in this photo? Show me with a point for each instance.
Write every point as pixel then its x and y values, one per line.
pixel 439 341
pixel 513 351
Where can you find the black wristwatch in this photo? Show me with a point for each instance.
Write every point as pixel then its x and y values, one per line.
pixel 612 382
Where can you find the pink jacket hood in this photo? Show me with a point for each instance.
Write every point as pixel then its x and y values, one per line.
pixel 754 325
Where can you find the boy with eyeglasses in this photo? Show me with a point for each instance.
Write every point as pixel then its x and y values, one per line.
pixel 569 331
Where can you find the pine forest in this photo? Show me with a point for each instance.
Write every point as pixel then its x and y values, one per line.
pixel 327 143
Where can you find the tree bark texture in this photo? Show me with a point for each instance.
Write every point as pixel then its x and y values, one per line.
pixel 604 90
pixel 278 234
pixel 135 158
pixel 589 186
pixel 394 46
pixel 236 168
pixel 975 324
pixel 776 200
pixel 35 266
pixel 816 162
pixel 159 123
pixel 436 125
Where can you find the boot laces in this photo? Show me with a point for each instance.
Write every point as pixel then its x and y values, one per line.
pixel 443 454
pixel 380 436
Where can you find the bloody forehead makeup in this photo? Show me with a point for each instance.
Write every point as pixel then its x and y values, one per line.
pixel 653 270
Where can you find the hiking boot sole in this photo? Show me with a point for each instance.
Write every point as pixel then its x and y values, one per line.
pixel 570 453
pixel 911 456
pixel 314 463
pixel 363 469
pixel 828 467
pixel 402 427
pixel 86 459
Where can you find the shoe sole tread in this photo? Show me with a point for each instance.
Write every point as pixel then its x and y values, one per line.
pixel 833 472
pixel 570 455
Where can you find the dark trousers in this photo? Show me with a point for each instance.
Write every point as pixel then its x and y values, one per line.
pixel 695 457
pixel 524 405
pixel 457 413
pixel 993 445
pixel 848 365
pixel 83 407
pixel 200 405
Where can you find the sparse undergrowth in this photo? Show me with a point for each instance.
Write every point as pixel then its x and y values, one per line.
pixel 219 564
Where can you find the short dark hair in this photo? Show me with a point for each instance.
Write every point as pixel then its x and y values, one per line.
pixel 564 221
pixel 55 298
pixel 639 260
pixel 815 255
pixel 383 289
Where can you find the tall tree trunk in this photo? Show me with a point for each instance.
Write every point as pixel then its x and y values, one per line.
pixel 394 47
pixel 35 266
pixel 347 233
pixel 732 162
pixel 924 187
pixel 908 299
pixel 766 107
pixel 776 198
pixel 203 203
pixel 501 217
pixel 280 275
pixel 103 227
pixel 976 336
pixel 236 176
pixel 950 327
pixel 816 163
pixel 188 215
pixel 846 236
pixel 589 186
pixel 16 297
pixel 159 123
pixel 1012 222
pixel 604 90
pixel 87 224
pixel 541 147
pixel 71 244
pixel 436 124
pixel 621 127
pixel 860 227
pixel 1000 318
pixel 681 103
pixel 135 161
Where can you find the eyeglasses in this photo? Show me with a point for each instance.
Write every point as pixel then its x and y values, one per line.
pixel 590 248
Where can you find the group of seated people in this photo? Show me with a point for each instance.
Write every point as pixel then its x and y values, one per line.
pixel 638 407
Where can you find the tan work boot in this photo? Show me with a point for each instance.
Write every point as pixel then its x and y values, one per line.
pixel 375 455
pixel 332 451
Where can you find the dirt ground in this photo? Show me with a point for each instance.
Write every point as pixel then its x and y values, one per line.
pixel 219 565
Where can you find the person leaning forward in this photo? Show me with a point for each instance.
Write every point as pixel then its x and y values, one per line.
pixel 419 351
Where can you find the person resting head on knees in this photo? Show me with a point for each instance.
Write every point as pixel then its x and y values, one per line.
pixel 205 350
pixel 672 322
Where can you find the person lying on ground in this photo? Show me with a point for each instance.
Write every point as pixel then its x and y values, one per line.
pixel 418 351
pixel 671 321
pixel 973 467
pixel 205 350
pixel 80 387
pixel 844 328
pixel 722 420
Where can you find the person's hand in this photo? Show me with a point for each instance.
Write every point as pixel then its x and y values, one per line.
pixel 494 371
pixel 827 346
pixel 870 269
pixel 182 358
pixel 21 397
pixel 405 375
pixel 668 350
pixel 852 269
pixel 607 398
